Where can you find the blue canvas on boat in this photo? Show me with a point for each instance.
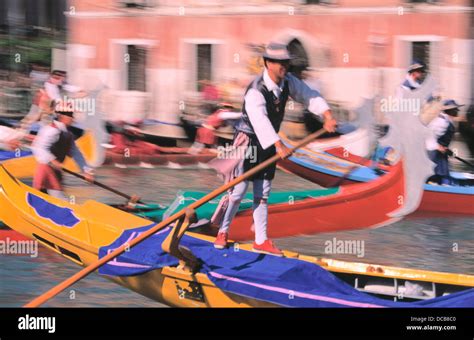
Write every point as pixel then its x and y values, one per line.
pixel 63 217
pixel 366 174
pixel 6 155
pixel 282 281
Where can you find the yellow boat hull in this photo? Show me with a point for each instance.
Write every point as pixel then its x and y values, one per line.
pixel 24 167
pixel 100 225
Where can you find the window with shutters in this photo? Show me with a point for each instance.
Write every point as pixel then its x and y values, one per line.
pixel 421 51
pixel 204 63
pixel 137 3
pixel 320 2
pixel 422 1
pixel 136 71
pixel 426 48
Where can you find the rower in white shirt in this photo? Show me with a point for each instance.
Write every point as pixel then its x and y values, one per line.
pixel 263 111
pixel 53 89
pixel 442 132
pixel 10 139
pixel 51 146
pixel 47 97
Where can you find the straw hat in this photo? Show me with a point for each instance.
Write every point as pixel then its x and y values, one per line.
pixel 276 51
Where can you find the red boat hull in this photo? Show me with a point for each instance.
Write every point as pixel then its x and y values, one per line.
pixel 432 201
pixel 447 203
pixel 358 206
pixel 319 178
pixel 12 235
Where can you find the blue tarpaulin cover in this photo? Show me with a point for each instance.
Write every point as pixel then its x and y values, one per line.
pixel 6 155
pixel 283 281
pixel 60 216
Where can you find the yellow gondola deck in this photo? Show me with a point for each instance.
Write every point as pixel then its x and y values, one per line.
pixel 99 225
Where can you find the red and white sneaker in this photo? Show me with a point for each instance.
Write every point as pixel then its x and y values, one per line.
pixel 267 247
pixel 221 241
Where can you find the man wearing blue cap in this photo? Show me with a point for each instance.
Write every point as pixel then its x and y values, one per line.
pixel 263 111
pixel 442 132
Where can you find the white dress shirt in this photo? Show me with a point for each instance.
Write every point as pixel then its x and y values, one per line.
pixel 438 127
pixel 229 115
pixel 8 134
pixel 47 136
pixel 255 105
pixel 54 92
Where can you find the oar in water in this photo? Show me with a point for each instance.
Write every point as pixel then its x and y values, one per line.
pixel 349 172
pixel 177 216
pixel 460 159
pixel 351 169
pixel 132 199
pixel 7 124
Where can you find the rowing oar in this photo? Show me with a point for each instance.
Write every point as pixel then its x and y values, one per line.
pixel 7 124
pixel 460 159
pixel 180 214
pixel 103 186
pixel 346 175
pixel 349 172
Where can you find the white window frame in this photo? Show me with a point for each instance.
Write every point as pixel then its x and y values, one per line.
pixel 118 48
pixel 189 55
pixel 403 55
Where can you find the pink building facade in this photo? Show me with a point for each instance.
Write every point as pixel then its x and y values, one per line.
pixel 148 52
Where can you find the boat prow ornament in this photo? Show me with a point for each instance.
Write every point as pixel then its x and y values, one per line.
pixel 407 135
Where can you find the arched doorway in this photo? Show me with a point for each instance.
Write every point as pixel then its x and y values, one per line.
pixel 300 57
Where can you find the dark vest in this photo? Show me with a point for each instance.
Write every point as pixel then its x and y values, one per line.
pixel 276 111
pixel 275 106
pixel 446 139
pixel 63 146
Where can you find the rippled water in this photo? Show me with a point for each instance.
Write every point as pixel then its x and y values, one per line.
pixel 442 244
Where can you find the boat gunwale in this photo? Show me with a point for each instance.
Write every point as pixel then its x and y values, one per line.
pixel 351 158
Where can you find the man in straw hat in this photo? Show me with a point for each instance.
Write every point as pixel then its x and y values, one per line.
pixel 442 132
pixel 263 110
pixel 51 146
